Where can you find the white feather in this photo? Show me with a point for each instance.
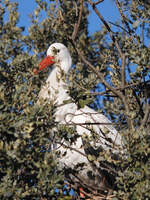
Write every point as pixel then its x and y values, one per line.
pixel 56 90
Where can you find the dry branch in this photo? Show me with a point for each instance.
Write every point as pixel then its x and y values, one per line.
pixel 77 25
pixel 107 27
pixel 118 93
pixel 124 20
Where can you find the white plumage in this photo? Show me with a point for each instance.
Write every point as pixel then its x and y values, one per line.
pixel 56 91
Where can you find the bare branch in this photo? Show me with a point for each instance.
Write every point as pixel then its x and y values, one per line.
pixel 120 94
pixel 107 27
pixel 93 191
pixel 122 16
pixel 118 26
pixel 123 76
pixel 118 88
pixel 142 32
pixel 90 123
pixel 99 74
pixel 103 81
pixel 100 1
pixel 70 147
pixel 77 25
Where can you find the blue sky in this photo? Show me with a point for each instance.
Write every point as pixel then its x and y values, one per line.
pixel 107 9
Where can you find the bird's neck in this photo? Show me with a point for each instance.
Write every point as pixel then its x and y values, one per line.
pixel 57 86
pixel 57 92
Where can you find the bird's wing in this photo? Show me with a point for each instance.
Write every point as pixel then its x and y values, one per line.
pixel 91 122
pixel 100 133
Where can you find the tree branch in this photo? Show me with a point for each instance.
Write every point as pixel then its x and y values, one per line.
pixel 107 27
pixel 118 88
pixel 120 94
pixel 70 147
pixel 103 81
pixel 118 26
pixel 100 1
pixel 77 25
pixel 99 74
pixel 123 75
pixel 122 16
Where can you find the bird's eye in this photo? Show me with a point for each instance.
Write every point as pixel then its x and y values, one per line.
pixel 55 51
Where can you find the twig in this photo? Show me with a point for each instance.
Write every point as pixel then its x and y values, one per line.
pixel 114 40
pixel 118 26
pixel 142 32
pixel 130 85
pixel 99 74
pixel 123 76
pixel 107 26
pixel 100 1
pixel 120 95
pixel 71 148
pixel 103 81
pixel 118 88
pixel 123 17
pixel 90 188
pixel 92 195
pixel 90 123
pixel 77 25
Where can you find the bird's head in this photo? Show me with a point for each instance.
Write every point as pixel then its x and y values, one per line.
pixel 57 54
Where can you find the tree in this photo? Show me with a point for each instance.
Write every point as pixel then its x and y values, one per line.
pixel 111 65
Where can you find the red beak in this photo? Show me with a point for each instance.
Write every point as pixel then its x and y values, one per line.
pixel 46 62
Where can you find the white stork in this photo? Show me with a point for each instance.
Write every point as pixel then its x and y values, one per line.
pixel 56 90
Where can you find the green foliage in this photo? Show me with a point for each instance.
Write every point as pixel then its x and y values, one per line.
pixel 28 168
pixel 134 179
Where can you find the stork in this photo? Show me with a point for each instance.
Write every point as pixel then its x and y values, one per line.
pixel 86 121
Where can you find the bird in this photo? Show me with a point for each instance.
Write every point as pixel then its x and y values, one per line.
pixel 88 124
